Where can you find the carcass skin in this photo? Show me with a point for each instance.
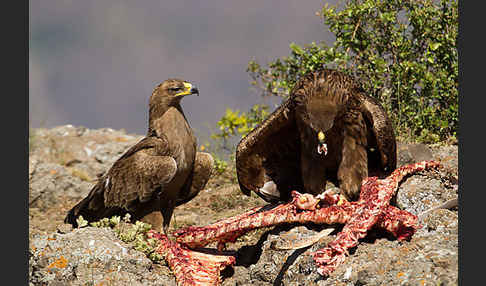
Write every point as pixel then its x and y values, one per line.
pixel 191 267
pixel 373 209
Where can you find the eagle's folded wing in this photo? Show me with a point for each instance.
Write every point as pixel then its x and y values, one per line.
pixel 138 173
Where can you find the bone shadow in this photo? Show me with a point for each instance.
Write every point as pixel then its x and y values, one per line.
pixel 250 254
pixel 290 260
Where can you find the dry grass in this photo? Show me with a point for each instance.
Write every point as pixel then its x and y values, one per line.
pixel 83 175
pixel 211 205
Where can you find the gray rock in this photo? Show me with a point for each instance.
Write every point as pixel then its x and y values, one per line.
pixel 65 163
pixel 90 256
pixel 431 188
pixel 67 160
pixel 449 157
pixel 64 228
pixel 419 193
pixel 33 161
pixel 51 183
pixel 412 153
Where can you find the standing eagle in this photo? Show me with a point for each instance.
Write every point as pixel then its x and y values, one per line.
pixel 328 129
pixel 160 172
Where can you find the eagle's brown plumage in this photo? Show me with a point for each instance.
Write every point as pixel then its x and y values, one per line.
pixel 157 174
pixel 281 154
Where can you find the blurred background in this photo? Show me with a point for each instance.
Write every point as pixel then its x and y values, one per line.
pixel 95 63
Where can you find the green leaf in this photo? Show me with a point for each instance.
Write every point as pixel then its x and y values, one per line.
pixel 81 221
pixel 434 46
pixel 296 48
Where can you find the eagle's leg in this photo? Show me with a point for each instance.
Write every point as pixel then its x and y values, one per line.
pixel 160 219
pixel 203 167
pixel 314 176
pixel 167 207
pixel 353 168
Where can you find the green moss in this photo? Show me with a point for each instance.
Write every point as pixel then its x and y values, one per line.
pixel 134 234
pixel 81 221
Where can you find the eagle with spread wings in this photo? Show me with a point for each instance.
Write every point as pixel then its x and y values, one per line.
pixel 160 172
pixel 328 129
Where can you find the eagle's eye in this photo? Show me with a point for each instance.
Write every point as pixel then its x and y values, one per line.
pixel 175 88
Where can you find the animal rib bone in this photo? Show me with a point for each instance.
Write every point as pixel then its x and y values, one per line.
pixel 191 267
pixel 372 209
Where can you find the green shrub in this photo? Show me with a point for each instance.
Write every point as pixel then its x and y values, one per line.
pixel 236 123
pixel 403 51
pixel 232 127
pixel 220 165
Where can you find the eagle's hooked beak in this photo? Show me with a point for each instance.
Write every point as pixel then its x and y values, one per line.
pixel 194 90
pixel 321 146
pixel 188 89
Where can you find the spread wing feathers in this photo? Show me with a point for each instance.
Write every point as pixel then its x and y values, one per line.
pixel 270 151
pixel 134 177
pixel 382 129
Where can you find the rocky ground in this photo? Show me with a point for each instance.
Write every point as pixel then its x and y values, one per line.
pixel 65 161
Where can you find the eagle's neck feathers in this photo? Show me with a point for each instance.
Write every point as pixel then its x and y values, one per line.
pixel 157 108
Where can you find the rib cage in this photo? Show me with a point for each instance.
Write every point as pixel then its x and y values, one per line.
pixel 372 209
pixel 191 267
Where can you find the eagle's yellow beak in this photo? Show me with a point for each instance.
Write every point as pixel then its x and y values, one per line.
pixel 188 89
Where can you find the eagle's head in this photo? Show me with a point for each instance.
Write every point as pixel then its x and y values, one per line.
pixel 172 91
pixel 319 98
pixel 318 116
